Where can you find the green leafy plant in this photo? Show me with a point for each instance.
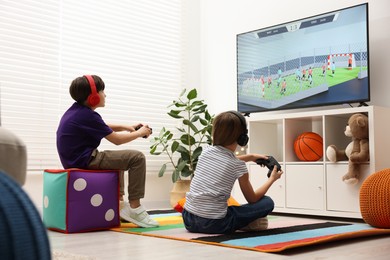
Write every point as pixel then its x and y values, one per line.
pixel 195 131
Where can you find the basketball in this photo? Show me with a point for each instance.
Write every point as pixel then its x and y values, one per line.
pixel 308 147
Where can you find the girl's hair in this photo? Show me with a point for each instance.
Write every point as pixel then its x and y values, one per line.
pixel 80 90
pixel 227 127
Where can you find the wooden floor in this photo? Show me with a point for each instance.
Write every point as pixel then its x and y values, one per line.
pixel 117 246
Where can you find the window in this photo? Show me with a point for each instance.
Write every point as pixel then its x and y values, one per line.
pixel 135 46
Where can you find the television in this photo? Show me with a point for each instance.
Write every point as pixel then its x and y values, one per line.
pixel 315 61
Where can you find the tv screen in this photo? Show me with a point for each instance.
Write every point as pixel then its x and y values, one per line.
pixel 316 61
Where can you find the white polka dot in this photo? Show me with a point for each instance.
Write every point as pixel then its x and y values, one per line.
pixel 79 184
pixel 46 202
pixel 110 214
pixel 96 200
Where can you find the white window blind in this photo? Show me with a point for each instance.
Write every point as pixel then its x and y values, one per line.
pixel 134 45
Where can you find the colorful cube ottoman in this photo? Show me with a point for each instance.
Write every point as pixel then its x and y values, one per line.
pixel 78 200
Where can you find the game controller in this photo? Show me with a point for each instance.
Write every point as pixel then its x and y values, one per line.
pixel 139 126
pixel 270 163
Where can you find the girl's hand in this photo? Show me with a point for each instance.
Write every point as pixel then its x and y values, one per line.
pixel 275 174
pixel 259 156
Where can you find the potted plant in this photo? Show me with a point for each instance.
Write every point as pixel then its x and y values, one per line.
pixel 193 133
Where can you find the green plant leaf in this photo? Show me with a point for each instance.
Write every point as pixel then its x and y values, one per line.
pixel 197 103
pixel 162 170
pixel 162 132
pixel 175 111
pixel 196 153
pixel 175 175
pixel 207 116
pixel 185 156
pixel 153 149
pixel 182 149
pixel 177 104
pixel 174 146
pixel 195 118
pixel 181 165
pixel 203 121
pixel 165 134
pixel 200 109
pixel 195 106
pixel 190 124
pixel 209 140
pixel 187 139
pixel 174 115
pixel 192 94
pixel 186 172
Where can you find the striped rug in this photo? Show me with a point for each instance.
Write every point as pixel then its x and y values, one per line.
pixel 283 232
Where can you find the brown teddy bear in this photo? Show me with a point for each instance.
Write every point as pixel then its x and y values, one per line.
pixel 357 150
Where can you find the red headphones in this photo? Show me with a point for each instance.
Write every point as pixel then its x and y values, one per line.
pixel 94 98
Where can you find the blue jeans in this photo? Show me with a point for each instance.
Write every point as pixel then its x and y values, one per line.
pixel 236 218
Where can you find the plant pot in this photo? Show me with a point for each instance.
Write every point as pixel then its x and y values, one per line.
pixel 178 191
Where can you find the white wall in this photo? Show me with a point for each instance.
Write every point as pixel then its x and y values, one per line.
pixel 222 20
pixel 211 27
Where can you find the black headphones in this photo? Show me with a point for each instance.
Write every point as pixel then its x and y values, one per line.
pixel 243 138
pixel 93 98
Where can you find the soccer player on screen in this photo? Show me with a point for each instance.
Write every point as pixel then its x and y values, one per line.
pixel 350 61
pixel 262 82
pixel 310 75
pixel 333 68
pixel 279 81
pixel 298 74
pixel 284 86
pixel 279 73
pixel 323 69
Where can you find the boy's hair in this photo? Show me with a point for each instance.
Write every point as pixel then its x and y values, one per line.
pixel 227 127
pixel 80 89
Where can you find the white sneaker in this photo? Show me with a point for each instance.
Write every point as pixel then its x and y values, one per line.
pixel 257 225
pixel 121 204
pixel 138 216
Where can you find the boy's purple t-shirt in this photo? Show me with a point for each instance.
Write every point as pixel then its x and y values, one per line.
pixel 79 133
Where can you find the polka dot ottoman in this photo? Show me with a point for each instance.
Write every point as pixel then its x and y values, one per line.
pixel 76 200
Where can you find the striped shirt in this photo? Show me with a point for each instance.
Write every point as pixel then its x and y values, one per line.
pixel 216 172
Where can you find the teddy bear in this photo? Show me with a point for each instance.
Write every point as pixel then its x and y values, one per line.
pixel 357 150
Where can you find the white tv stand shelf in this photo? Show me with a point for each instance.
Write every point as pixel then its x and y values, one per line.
pixel 314 188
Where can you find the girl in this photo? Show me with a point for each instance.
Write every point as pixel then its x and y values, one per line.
pixel 206 209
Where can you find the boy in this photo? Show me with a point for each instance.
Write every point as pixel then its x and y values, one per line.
pixel 80 132
pixel 206 209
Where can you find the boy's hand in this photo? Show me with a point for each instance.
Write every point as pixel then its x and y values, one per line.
pixel 144 130
pixel 136 127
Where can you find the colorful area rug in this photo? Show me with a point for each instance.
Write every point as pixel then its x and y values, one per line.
pixel 282 233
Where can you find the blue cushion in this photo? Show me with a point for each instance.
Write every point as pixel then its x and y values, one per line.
pixel 22 233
